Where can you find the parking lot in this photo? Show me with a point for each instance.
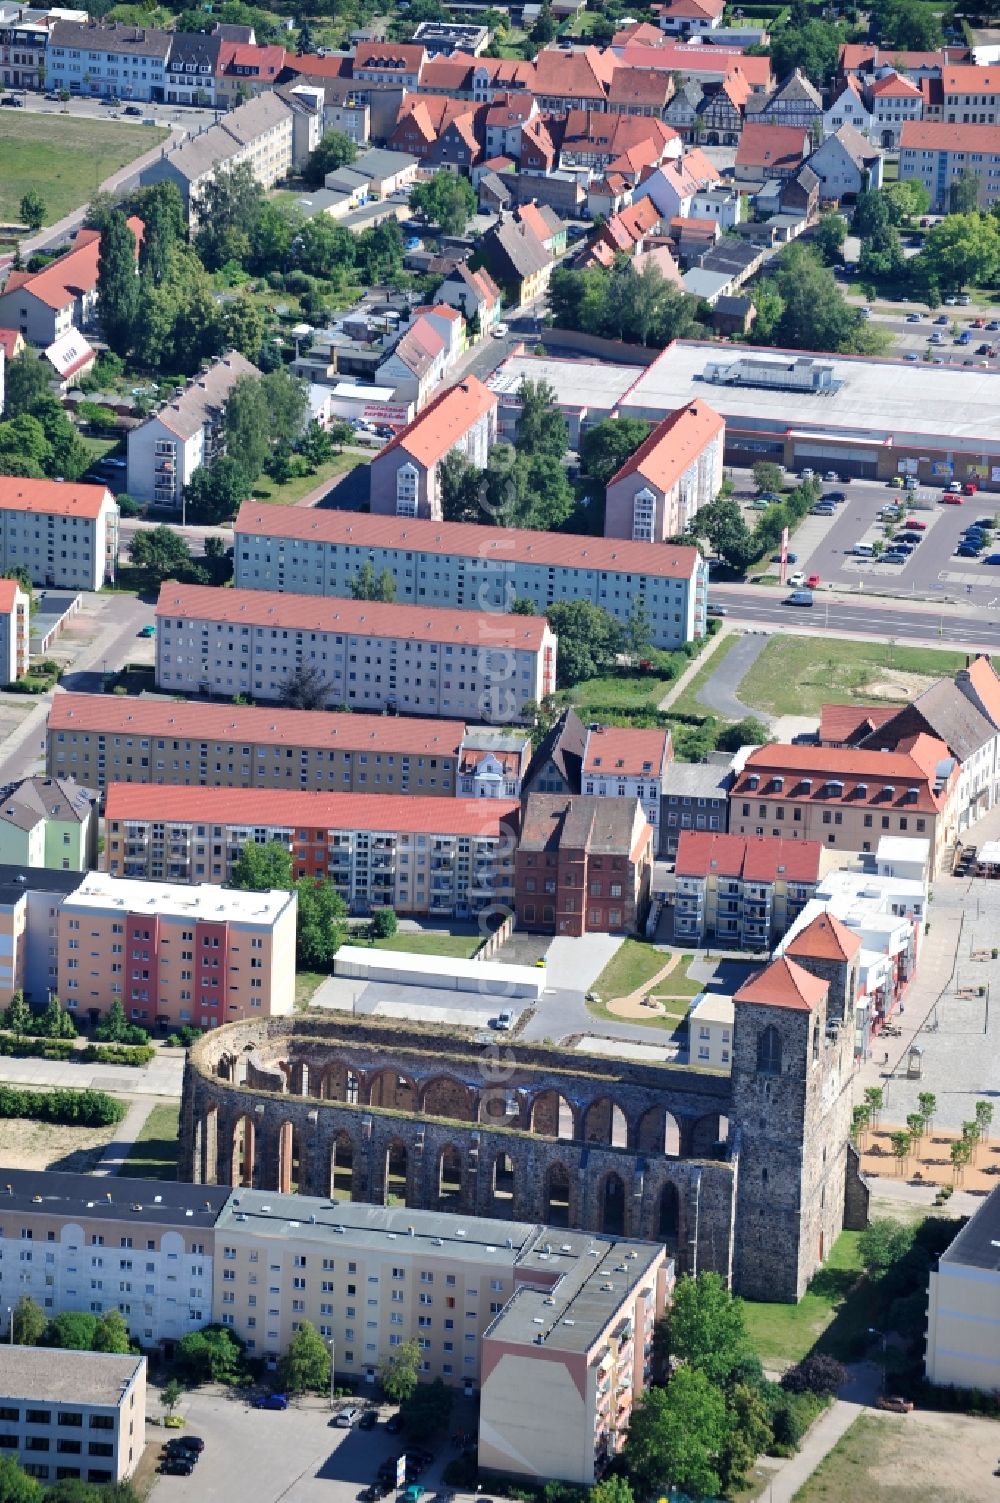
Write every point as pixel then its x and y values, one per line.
pixel 254 1456
pixel 949 336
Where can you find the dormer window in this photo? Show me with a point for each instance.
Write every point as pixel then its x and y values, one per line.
pixel 861 790
pixel 888 791
pixel 913 794
pixel 753 781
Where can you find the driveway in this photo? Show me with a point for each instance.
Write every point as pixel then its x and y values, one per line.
pixel 718 694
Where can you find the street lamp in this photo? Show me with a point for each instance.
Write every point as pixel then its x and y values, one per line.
pixel 10 1312
pixel 874 1331
pixel 331 1344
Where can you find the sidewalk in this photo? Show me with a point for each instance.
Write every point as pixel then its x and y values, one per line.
pixel 860 1390
pixel 113 1158
pixel 162 1077
pixel 695 666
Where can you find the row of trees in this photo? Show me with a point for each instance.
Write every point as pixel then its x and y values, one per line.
pixel 78 1330
pixel 264 424
pixel 36 436
pixel 721 523
pixel 322 912
pixel 639 307
pixel 17 1487
pixel 800 307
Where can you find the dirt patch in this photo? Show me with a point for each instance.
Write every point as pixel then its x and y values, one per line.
pixel 923 1457
pixel 930 1161
pixel 899 688
pixel 42 1145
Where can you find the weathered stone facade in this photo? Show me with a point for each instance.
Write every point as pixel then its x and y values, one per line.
pixel 372 1111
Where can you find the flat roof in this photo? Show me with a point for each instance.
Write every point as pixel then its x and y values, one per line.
pixel 429 965
pixel 712 1007
pixel 221 905
pixel 265 1213
pixel 883 400
pixel 593 1276
pixel 60 1376
pixel 576 383
pixel 978 1243
pixel 51 1192
pixel 902 848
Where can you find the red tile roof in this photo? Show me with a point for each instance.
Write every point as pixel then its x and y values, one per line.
pixel 862 56
pixel 268 61
pixel 673 446
pixel 72 275
pixel 287 808
pixel 11 339
pixel 828 774
pixel 444 422
pixel 389 57
pixel 843 725
pixel 826 938
pixel 56 497
pixel 984 680
pixel 771 146
pixel 783 984
pixel 627 750
pixel 893 86
pixel 8 595
pixel 694 8
pixel 506 544
pixel 253 725
pixel 935 135
pixel 369 618
pixel 700 61
pixel 755 858
pixel 573 75
pixel 969 79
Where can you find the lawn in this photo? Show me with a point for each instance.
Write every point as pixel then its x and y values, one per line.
pixel 633 964
pixel 785 1333
pixel 688 703
pixel 306 986
pixel 64 158
pixel 293 490
pixel 153 1155
pixel 432 942
pixel 798 675
pixel 924 1457
pixel 617 692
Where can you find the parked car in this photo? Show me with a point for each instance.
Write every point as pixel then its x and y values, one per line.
pixel 970 488
pixel 837 497
pixel 808 474
pixel 501 330
pixel 942 318
pixel 147 631
pixel 176 1466
pixel 12 103
pixel 131 109
pixel 368 1420
pixel 374 1492
pixel 830 475
pixel 394 1423
pixel 913 318
pixel 799 597
pixel 894 1403
pixel 798 578
pixel 712 609
pixel 792 558
pixel 951 498
pixel 823 511
pixel 967 550
pixel 413 1493
pixel 915 525
pixel 504 1021
pixel 812 582
pixel 992 558
pixel 889 557
pixel 271 1401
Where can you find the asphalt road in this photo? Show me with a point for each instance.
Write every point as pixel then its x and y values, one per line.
pixel 884 620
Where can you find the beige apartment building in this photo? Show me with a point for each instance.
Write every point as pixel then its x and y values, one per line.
pixel 846 797
pixel 417 659
pixel 99 739
pixel 72 1414
pixel 445 857
pixel 173 954
pixel 65 535
pixel 963 1306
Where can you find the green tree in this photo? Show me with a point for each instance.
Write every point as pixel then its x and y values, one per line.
pixel 768 477
pixel 114 1025
pixel 829 236
pixel 748 1433
pixel 30 1321
pixel 590 640
pixel 159 553
pixel 170 1394
pixel 305 1367
pixel 73 1329
pixel 18 1016
pixel 704 1327
pixel 984 1117
pixel 460 487
pixel 16 1486
pixel 334 150
pixel 721 523
pixel 320 928
pixel 676 1436
pixel 27 380
pixel 874 1100
pixel 161 209
pixel 545 27
pixel 243 326
pixel 211 1355
pixel 523 607
pixel 884 1242
pixel 872 213
pixel 215 494
pixel 228 206
pixel 399 1372
pixel 637 636
pixel 117 284
pixel 540 427
pixel 814 315
pixel 263 868
pixel 612 1489
pixel 927 1102
pixel 32 209
pixel 641 306
pixel 812 46
pixel 901 1147
pixel 111 1334
pixel 24 437
pixel 960 249
pixel 305 688
pixel 287 399
pixel 56 1022
pixel 428 1408
pixel 248 424
pixel 446 200
pixel 367 585
pixel 544 494
pixel 384 923
pixel 608 445
pixel 860 1119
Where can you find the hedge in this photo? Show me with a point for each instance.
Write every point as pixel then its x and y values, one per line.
pixel 35 1048
pixel 71 1108
pixel 119 1054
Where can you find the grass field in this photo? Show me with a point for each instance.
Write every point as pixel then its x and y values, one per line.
pixel 430 942
pixel 292 491
pixel 924 1457
pixel 688 702
pixel 631 967
pixel 785 1333
pixel 620 691
pixel 797 675
pixel 153 1155
pixel 65 158
pixel 306 985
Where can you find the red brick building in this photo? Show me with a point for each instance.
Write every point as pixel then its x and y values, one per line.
pixel 583 865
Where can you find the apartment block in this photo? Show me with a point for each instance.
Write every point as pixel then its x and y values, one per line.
pixel 848 798
pixel 671 476
pixel 963 1305
pixel 695 797
pixel 710 1022
pixel 446 857
pixel 69 1414
pixel 117 61
pixel 583 865
pixel 493 763
pixel 14 630
pixel 461 565
pixel 970 95
pixel 30 899
pixel 260 132
pixel 370 655
pixel 171 954
pixel 45 305
pixel 143 1247
pixel 65 534
pixel 405 475
pixel 99 739
pixel 48 822
pixel 624 762
pixel 939 154
pixel 741 892
pixel 184 434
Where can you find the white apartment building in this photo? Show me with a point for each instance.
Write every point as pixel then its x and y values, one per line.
pixel 71 1242
pixel 710 1031
pixel 64 533
pixel 461 565
pixel 72 1414
pixel 185 433
pixel 624 762
pixel 418 660
pixel 14 631
pixel 260 132
pixel 405 475
pixel 117 61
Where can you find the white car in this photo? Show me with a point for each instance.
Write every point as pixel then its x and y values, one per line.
pixel 796 579
pixel 808 474
pixel 500 331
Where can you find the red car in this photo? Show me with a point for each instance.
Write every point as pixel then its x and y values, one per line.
pixel 979 323
pixel 950 499
pixel 969 488
pixel 812 583
pixel 914 525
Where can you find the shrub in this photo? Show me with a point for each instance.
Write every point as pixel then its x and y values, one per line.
pixel 67 1107
pixel 815 1374
pixel 33 1048
pixel 133 1056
